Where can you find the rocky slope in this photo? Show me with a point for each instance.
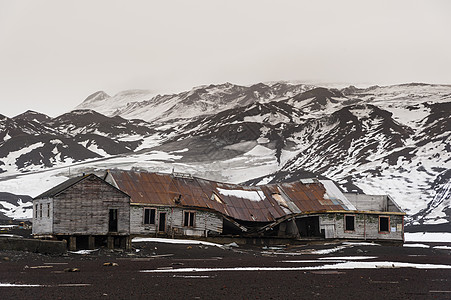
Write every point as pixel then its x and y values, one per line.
pixel 393 139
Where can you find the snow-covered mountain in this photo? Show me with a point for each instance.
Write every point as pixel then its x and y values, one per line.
pixel 202 100
pixel 393 139
pixel 15 207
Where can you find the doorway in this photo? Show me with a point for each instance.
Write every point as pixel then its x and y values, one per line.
pixel 112 220
pixel 308 226
pixel 329 231
pixel 162 222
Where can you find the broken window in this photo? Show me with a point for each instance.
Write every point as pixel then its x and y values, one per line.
pixel 36 211
pixel 48 210
pixel 349 223
pixel 40 210
pixel 188 219
pixel 384 224
pixel 149 216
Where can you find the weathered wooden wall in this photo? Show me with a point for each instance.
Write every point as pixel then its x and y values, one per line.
pixel 366 226
pixel 392 206
pixel 368 202
pixel 204 221
pixel 42 224
pixel 84 209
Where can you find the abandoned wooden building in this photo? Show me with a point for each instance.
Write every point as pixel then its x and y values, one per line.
pixel 89 210
pixel 86 211
pixel 182 205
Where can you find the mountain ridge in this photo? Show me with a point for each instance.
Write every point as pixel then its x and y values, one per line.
pixel 393 139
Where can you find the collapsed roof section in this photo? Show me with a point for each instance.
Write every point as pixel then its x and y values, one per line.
pixel 266 203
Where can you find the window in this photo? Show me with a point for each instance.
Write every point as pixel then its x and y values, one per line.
pixel 36 211
pixel 384 224
pixel 48 210
pixel 149 215
pixel 349 223
pixel 40 210
pixel 188 219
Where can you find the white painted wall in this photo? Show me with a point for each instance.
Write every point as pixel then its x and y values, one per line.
pixel 43 222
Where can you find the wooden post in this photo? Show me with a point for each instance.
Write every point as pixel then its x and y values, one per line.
pixel 110 242
pixel 91 242
pixel 72 243
pixel 128 243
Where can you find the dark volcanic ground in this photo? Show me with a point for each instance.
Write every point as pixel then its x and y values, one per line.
pixel 125 281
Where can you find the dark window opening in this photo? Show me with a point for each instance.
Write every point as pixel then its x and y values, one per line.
pixel 112 224
pixel 36 211
pixel 40 210
pixel 48 210
pixel 188 219
pixel 162 222
pixel 349 223
pixel 149 216
pixel 384 224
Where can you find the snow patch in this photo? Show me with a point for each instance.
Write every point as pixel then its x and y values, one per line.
pixel 349 265
pixel 84 251
pixel 249 195
pixel 23 210
pixel 427 236
pixel 415 246
pixel 173 241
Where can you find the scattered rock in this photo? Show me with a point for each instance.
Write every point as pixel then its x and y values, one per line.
pixel 41 267
pixel 110 264
pixel 72 270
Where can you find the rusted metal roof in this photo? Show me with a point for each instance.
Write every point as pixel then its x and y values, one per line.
pixel 56 190
pixel 265 203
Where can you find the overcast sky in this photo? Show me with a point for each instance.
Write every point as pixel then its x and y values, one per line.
pixel 53 54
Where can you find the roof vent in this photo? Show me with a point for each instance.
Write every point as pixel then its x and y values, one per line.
pixel 182 175
pixel 307 180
